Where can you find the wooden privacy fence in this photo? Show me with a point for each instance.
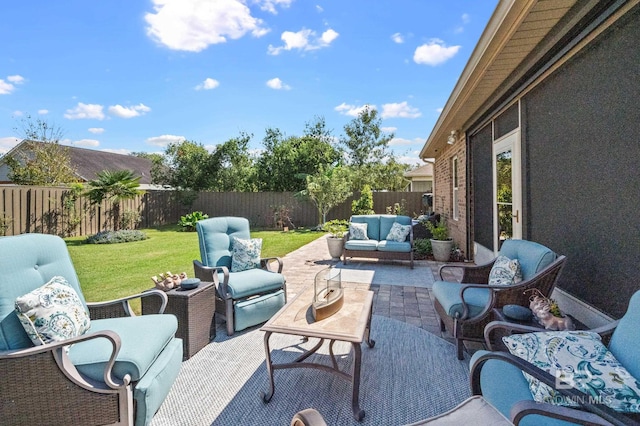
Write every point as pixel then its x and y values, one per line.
pixel 55 210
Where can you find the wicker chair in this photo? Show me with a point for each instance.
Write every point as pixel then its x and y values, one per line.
pixel 465 308
pixel 245 298
pixel 117 372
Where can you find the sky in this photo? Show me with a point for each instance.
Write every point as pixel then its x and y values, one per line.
pixel 135 75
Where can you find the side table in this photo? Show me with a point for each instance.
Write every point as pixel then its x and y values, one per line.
pixel 195 311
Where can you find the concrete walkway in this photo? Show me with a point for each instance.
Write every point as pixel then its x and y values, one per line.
pixel 400 292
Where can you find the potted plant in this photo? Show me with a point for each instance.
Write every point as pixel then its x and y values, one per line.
pixel 337 228
pixel 441 243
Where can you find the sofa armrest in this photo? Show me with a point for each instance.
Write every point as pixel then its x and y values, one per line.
pixel 599 410
pixel 121 307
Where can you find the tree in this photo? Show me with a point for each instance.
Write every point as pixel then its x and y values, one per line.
pixel 185 166
pixel 364 142
pixel 114 186
pixel 326 189
pixel 364 204
pixel 235 165
pixel 286 160
pixel 41 160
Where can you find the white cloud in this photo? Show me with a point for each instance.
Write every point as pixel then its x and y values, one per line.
pixel 128 112
pixel 439 110
pixel 402 110
pixel 466 18
pixel 397 38
pixel 303 40
pixel 165 140
pixel 277 84
pixel 86 142
pixel 388 129
pixel 352 110
pixel 122 151
pixel 7 143
pixel 405 142
pixel 435 52
pixel 7 87
pixel 96 130
pixel 319 8
pixel 17 113
pixel 82 111
pixel 193 25
pixel 208 84
pixel 270 5
pixel 43 111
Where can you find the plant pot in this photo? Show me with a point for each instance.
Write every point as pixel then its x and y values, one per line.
pixel 335 246
pixel 442 249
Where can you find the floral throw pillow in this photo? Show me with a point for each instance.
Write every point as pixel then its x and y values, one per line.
pixel 52 313
pixel 580 360
pixel 505 271
pixel 358 231
pixel 398 232
pixel 245 254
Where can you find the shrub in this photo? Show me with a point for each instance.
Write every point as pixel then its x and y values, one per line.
pixel 336 227
pixel 399 209
pixel 188 221
pixel 423 246
pixel 115 237
pixel 364 204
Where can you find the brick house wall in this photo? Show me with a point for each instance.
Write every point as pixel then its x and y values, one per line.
pixel 443 193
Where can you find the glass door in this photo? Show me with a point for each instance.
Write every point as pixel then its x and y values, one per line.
pixel 507 189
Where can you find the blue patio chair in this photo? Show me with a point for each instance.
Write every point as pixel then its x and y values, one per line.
pixel 465 307
pixel 117 371
pixel 246 297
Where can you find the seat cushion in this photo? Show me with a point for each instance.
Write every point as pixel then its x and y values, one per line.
pixel 503 385
pixel 252 281
pixel 143 338
pixel 394 246
pixel 257 310
pixel 448 295
pixel 366 245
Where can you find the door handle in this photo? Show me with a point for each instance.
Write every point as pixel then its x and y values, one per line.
pixel 516 216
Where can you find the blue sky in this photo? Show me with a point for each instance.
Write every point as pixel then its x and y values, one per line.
pixel 126 75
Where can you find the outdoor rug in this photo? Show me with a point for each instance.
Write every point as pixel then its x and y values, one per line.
pixel 409 375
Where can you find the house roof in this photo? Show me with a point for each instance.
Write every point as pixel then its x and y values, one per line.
pixel 509 41
pixel 425 170
pixel 89 162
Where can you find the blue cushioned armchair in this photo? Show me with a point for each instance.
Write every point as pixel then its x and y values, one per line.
pixel 118 372
pixel 497 375
pixel 465 308
pixel 245 298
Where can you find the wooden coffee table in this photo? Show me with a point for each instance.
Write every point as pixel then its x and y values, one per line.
pixel 352 323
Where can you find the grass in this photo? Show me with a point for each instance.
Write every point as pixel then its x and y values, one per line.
pixel 110 271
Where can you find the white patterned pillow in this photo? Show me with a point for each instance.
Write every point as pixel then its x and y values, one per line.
pixel 398 232
pixel 358 231
pixel 52 313
pixel 245 254
pixel 580 360
pixel 505 271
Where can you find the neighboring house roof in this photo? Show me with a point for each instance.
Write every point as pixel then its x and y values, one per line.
pixel 424 171
pixel 507 51
pixel 89 162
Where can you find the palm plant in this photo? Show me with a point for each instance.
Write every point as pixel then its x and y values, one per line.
pixel 114 186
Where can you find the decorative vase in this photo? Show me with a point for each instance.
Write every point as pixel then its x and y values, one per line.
pixel 441 249
pixel 335 245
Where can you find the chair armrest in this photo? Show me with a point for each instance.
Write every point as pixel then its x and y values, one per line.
pixel 265 263
pixel 470 273
pixel 208 273
pixel 602 411
pixel 523 408
pixel 465 307
pixel 64 365
pixel 121 307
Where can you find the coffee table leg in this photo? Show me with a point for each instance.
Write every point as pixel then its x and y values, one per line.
pixel 267 397
pixel 367 331
pixel 358 414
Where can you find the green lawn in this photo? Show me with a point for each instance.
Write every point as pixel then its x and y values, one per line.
pixel 109 271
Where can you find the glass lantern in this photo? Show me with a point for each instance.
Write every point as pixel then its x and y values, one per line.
pixel 328 294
